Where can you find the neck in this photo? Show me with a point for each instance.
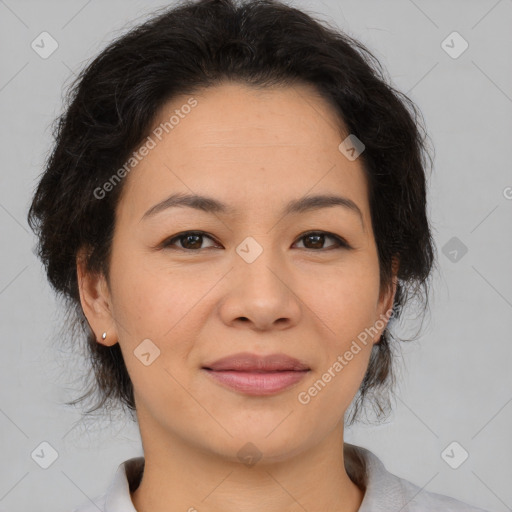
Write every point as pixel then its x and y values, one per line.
pixel 180 477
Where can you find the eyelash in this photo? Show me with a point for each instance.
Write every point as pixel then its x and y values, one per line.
pixel 167 244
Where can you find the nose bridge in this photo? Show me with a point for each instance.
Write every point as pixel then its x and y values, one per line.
pixel 261 294
pixel 260 265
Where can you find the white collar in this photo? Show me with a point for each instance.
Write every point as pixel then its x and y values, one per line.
pixel 384 492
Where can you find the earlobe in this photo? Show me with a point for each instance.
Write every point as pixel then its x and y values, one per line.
pixel 387 300
pixel 394 280
pixel 95 301
pixel 390 299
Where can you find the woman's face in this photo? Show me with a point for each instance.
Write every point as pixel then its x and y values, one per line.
pixel 253 281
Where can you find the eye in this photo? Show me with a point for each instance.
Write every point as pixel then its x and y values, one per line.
pixel 189 240
pixel 317 238
pixel 192 241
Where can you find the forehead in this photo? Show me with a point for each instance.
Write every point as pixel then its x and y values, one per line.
pixel 251 148
pixel 295 115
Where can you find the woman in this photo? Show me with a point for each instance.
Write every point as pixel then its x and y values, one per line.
pixel 235 207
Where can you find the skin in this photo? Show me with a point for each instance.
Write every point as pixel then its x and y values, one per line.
pixel 254 150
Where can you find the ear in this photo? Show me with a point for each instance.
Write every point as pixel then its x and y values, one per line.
pixel 386 300
pixel 96 303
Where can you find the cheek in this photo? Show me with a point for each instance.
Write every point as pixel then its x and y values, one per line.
pixel 346 300
pixel 151 299
pixel 347 309
pixel 166 305
pixel 346 304
pixel 155 304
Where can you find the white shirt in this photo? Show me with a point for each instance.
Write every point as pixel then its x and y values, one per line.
pixel 384 492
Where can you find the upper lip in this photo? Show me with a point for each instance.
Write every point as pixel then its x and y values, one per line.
pixel 246 362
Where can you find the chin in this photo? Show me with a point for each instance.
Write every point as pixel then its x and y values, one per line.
pixel 256 446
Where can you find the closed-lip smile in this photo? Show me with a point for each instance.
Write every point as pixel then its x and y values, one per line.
pixel 253 374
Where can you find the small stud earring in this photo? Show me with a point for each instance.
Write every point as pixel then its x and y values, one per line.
pixel 104 335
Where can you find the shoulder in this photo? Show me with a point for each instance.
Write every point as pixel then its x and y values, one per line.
pixel 94 505
pixel 385 491
pixel 419 500
pixel 117 497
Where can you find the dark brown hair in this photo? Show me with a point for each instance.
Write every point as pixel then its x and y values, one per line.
pixel 111 107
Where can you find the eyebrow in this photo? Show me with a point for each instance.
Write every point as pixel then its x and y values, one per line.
pixel 211 205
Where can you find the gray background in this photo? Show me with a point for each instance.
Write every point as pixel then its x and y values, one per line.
pixel 456 381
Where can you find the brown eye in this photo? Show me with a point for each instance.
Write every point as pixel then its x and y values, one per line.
pixel 316 240
pixel 193 241
pixel 189 241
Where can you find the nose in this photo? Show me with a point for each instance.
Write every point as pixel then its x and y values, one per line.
pixel 260 296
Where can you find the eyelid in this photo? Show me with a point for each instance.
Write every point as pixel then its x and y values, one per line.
pixel 167 242
pixel 341 243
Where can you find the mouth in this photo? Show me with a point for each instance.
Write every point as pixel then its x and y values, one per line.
pixel 251 374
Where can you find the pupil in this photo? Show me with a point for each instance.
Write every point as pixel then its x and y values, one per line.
pixel 319 240
pixel 188 237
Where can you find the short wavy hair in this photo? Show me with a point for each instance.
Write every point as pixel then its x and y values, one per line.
pixel 194 45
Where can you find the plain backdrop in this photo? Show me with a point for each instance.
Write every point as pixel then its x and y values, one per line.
pixel 456 385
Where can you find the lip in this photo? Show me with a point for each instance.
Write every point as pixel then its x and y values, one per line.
pixel 252 374
pixel 245 361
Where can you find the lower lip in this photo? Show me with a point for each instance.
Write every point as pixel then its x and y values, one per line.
pixel 256 383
